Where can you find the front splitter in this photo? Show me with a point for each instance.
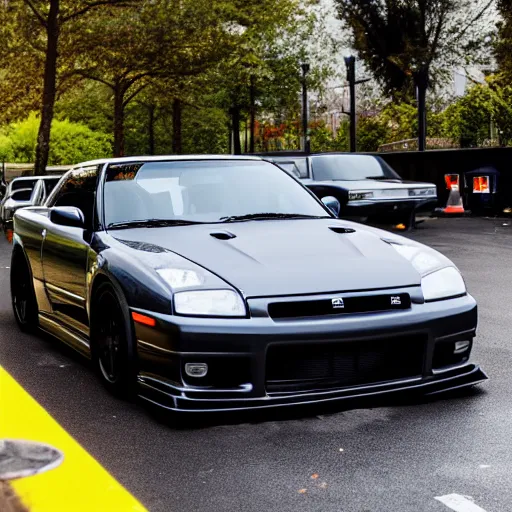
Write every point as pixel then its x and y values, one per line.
pixel 458 378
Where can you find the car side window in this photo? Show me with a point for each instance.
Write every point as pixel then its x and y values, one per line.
pixel 77 188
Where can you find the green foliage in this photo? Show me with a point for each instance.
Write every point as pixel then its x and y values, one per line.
pixel 205 131
pixel 371 133
pixel 5 149
pixel 71 142
pixel 468 120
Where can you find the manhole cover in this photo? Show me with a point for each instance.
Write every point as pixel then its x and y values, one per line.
pixel 25 458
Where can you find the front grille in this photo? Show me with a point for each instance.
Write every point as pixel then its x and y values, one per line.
pixel 312 366
pixel 339 306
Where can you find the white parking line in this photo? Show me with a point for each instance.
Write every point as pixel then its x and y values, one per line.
pixel 459 503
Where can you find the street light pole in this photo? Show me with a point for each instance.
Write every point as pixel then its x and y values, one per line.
pixel 421 80
pixel 350 62
pixel 305 134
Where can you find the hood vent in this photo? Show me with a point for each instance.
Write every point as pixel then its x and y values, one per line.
pixel 341 230
pixel 222 235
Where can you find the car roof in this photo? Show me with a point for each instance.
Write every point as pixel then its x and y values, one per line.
pixel 164 158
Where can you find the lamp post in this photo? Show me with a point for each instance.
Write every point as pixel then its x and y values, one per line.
pixel 305 135
pixel 350 62
pixel 421 82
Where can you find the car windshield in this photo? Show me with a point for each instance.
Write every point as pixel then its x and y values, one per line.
pixel 203 191
pixel 351 168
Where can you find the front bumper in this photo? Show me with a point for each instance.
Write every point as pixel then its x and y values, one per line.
pixel 389 209
pixel 239 349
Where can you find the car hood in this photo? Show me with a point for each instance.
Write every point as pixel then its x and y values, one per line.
pixel 287 257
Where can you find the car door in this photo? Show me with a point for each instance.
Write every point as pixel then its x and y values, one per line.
pixel 65 249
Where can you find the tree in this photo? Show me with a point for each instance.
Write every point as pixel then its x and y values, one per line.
pixel 128 51
pixel 409 44
pixel 49 21
pixel 20 85
pixel 272 38
pixel 503 45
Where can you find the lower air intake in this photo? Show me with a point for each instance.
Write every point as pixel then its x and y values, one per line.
pixel 317 366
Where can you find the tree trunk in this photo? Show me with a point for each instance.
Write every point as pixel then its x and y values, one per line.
pixel 177 147
pixel 151 129
pixel 230 138
pixel 49 89
pixel 235 114
pixel 118 121
pixel 246 147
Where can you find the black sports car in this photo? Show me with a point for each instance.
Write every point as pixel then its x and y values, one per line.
pixel 218 283
pixel 365 185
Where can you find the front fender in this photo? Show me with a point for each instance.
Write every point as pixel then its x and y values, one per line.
pixel 141 288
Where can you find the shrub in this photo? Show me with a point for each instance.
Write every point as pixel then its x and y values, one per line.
pixel 70 142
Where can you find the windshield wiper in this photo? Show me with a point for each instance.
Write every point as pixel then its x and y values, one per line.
pixel 381 178
pixel 151 223
pixel 270 216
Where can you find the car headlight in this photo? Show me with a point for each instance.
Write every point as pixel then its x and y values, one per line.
pixel 223 303
pixel 446 283
pixel 439 278
pixel 423 192
pixel 358 195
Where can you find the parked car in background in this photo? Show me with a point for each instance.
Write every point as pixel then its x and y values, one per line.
pixel 221 283
pixel 22 192
pixel 365 185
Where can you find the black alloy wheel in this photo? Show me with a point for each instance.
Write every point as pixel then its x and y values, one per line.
pixel 112 343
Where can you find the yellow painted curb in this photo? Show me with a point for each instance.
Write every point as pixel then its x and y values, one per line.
pixel 80 483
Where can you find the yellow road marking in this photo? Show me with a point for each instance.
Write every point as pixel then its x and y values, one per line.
pixel 80 483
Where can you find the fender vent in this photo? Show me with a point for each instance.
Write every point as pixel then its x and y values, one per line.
pixel 222 235
pixel 341 229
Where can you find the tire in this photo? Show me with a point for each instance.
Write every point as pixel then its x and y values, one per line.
pixel 23 298
pixel 113 342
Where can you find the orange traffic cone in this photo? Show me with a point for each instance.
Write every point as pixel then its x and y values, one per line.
pixel 454 204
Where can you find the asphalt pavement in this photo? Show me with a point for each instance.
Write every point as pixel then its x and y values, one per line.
pixel 378 457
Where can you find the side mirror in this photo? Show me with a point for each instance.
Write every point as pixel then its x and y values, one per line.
pixel 333 204
pixel 67 216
